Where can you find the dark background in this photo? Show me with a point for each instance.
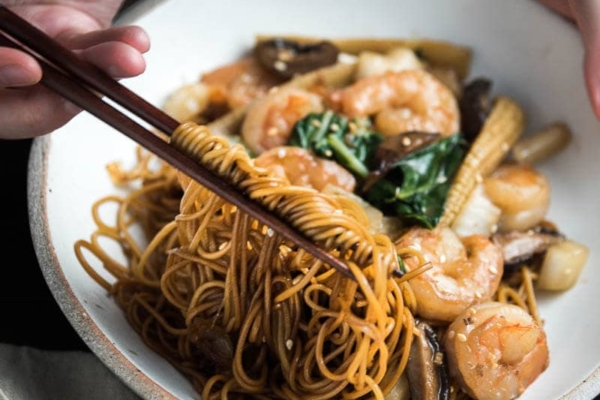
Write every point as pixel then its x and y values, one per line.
pixel 30 315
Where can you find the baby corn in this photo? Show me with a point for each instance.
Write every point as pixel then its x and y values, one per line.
pixel 501 130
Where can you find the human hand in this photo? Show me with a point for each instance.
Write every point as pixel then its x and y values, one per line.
pixel 586 14
pixel 28 109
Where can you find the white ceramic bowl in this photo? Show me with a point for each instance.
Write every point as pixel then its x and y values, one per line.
pixel 530 53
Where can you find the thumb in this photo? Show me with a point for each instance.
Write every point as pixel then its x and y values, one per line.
pixel 587 15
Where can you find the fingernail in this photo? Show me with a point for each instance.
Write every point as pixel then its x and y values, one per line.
pixel 15 75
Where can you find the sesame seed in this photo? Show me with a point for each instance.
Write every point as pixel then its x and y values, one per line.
pixel 280 65
pixel 316 122
pixel 272 131
pixel 406 141
pixel 493 270
pixel 443 258
pixel 450 334
pixel 334 127
pixel 461 337
pixel 270 232
pixel 281 152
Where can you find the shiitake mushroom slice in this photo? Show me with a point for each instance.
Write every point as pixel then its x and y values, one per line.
pixel 288 58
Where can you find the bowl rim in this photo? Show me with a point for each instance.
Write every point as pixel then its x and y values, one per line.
pixel 72 308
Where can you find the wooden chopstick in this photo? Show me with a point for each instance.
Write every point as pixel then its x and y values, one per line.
pixel 78 82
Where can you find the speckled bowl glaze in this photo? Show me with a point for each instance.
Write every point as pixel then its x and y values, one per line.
pixel 530 53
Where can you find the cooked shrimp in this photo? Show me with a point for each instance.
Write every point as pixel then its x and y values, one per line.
pixel 522 194
pixel 270 120
pixel 464 271
pixel 401 101
pixel 495 350
pixel 240 82
pixel 301 167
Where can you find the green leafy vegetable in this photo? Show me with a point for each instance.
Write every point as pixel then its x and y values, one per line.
pixel 416 186
pixel 413 186
pixel 351 143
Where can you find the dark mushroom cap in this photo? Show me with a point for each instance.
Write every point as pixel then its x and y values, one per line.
pixel 426 370
pixel 214 344
pixel 475 106
pixel 287 58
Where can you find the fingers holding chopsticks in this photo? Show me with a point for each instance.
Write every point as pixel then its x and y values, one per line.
pixel 26 108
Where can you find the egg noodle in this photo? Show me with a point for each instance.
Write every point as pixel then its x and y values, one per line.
pixel 299 328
